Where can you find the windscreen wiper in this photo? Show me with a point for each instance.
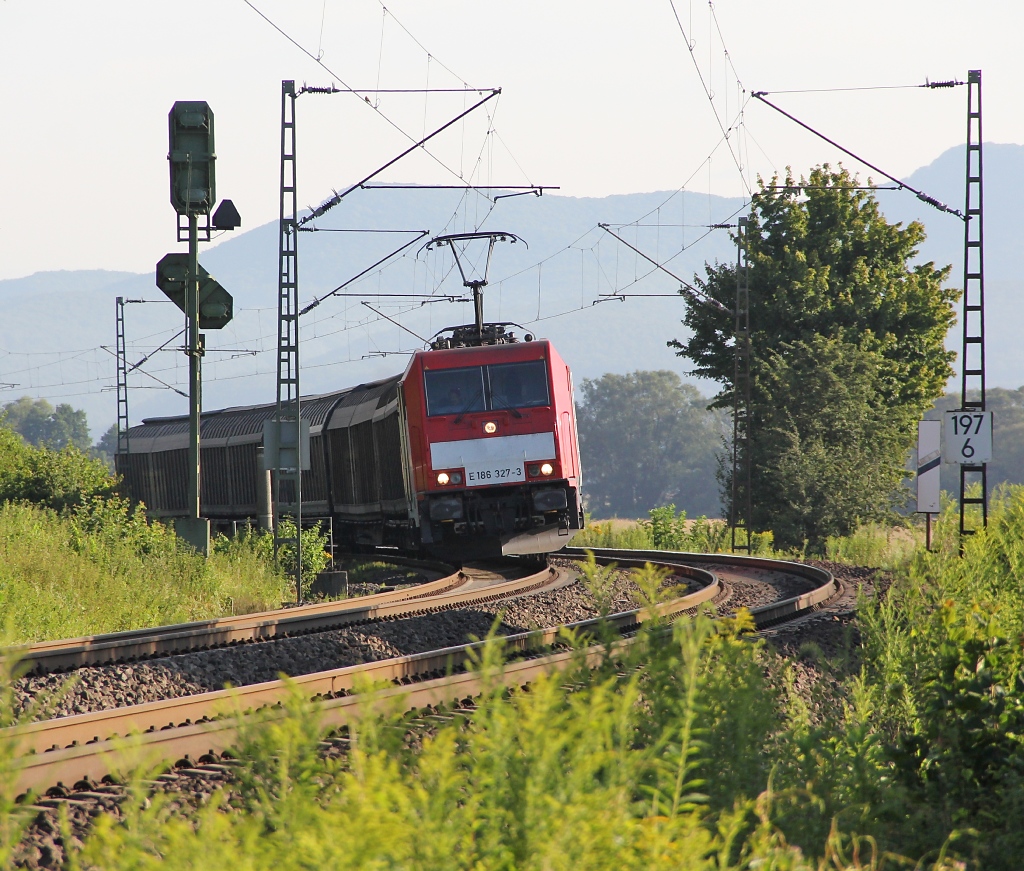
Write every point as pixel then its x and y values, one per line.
pixel 468 406
pixel 511 408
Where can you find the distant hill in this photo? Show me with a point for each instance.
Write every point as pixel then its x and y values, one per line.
pixel 548 287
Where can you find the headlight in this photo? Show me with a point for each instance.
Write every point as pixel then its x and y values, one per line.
pixel 456 478
pixel 546 469
pixel 443 478
pixel 490 427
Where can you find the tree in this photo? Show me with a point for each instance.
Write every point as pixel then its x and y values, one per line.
pixel 57 479
pixel 108 442
pixel 831 456
pixel 29 418
pixel 847 352
pixel 40 424
pixel 68 428
pixel 106 448
pixel 647 439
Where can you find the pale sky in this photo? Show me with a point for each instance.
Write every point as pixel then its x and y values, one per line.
pixel 598 98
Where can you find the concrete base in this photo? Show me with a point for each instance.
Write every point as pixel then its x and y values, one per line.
pixel 195 533
pixel 330 584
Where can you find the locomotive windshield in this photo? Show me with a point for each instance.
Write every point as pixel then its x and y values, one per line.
pixel 484 388
pixel 518 385
pixel 455 391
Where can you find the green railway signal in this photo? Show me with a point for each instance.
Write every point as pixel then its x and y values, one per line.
pixel 192 157
pixel 216 306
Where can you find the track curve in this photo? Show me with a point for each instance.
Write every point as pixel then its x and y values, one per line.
pixel 471 584
pixel 86 747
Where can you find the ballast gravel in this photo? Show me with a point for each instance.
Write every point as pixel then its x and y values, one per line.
pixel 46 846
pixel 97 688
pixel 823 649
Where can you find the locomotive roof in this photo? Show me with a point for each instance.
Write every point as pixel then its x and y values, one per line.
pixel 483 353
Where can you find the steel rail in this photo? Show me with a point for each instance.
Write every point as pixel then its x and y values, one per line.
pixel 825 586
pixel 208 723
pixel 89 746
pixel 444 593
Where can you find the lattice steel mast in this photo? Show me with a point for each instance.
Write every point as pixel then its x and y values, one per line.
pixel 288 467
pixel 122 381
pixel 740 508
pixel 972 359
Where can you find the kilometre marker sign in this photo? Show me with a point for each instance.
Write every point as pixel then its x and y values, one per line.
pixel 968 437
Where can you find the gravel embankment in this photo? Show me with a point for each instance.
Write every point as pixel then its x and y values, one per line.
pixel 44 847
pixel 96 688
pixel 823 648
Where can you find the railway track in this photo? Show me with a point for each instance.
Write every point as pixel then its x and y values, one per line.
pixel 469 585
pixel 83 749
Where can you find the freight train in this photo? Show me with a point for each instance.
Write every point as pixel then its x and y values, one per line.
pixel 472 451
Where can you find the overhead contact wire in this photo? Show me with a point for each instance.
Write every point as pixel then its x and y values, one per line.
pixel 921 195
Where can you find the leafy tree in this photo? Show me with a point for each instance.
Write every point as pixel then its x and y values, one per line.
pixel 108 442
pixel 847 352
pixel 29 418
pixel 830 453
pixel 106 448
pixel 39 423
pixel 647 439
pixel 69 428
pixel 56 479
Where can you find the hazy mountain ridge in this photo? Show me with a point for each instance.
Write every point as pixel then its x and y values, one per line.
pixel 74 310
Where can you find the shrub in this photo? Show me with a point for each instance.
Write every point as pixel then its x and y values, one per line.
pixel 101 567
pixel 315 556
pixel 55 479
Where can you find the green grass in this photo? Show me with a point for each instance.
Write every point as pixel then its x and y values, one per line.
pixel 871 545
pixel 701 750
pixel 666 530
pixel 663 768
pixel 102 568
pixel 876 546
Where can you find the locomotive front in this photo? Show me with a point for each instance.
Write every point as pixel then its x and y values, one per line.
pixel 493 448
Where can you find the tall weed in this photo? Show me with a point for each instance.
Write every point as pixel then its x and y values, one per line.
pixel 945 673
pixel 875 546
pixel 651 768
pixel 661 763
pixel 667 530
pixel 101 567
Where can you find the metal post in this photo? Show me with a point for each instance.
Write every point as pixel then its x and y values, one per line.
pixel 288 416
pixel 478 306
pixel 972 359
pixel 122 382
pixel 741 504
pixel 195 399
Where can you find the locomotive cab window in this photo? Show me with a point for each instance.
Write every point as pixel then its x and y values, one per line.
pixel 455 391
pixel 487 388
pixel 518 385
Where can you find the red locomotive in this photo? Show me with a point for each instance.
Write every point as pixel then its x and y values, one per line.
pixel 472 451
pixel 493 448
